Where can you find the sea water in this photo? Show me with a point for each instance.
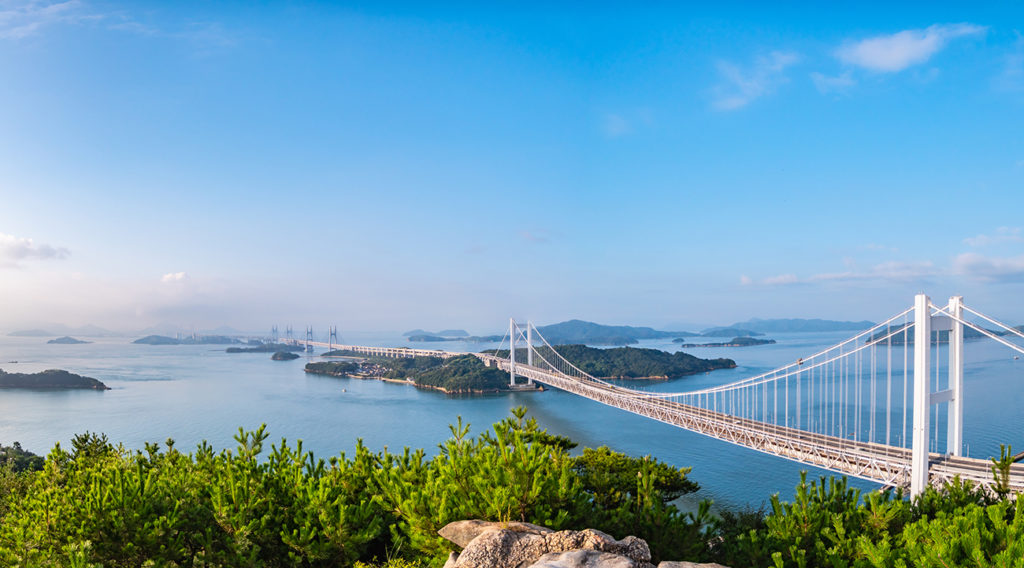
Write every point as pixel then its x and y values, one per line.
pixel 193 393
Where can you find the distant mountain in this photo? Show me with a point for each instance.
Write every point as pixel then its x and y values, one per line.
pixel 439 336
pixel 729 332
pixel 58 329
pixel 31 333
pixel 585 332
pixel 801 325
pixel 157 340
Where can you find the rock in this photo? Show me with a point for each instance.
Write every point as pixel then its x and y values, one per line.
pixel 462 532
pixel 583 559
pixel 674 564
pixel 590 539
pixel 502 549
pixel 518 545
pixel 452 557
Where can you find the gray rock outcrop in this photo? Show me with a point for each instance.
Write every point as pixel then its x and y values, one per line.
pixel 520 545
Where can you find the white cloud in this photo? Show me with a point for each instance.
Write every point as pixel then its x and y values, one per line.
pixel 174 277
pixel 781 279
pixel 989 269
pixel 742 86
pixel 838 84
pixel 746 280
pixel 14 249
pixel 1001 235
pixel 898 51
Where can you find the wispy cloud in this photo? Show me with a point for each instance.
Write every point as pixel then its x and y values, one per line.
pixel 781 279
pixel 742 85
pixel 898 51
pixel 989 269
pixel 827 84
pixel 1012 76
pixel 893 270
pixel 1002 235
pixel 172 277
pixel 22 19
pixel 615 125
pixel 14 249
pixel 539 237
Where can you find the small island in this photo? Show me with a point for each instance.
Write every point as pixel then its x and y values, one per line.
pixel 734 342
pixel 49 379
pixel 465 374
pixel 67 340
pixel 284 356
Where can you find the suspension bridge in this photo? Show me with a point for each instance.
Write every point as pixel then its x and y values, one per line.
pixel 869 407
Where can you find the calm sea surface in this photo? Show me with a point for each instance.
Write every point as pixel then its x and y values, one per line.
pixel 195 393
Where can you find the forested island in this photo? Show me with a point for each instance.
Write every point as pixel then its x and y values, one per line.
pixel 67 340
pixel 734 342
pixel 463 374
pixel 49 379
pixel 284 356
pixel 628 362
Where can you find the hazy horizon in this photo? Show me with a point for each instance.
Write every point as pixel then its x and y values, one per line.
pixel 388 166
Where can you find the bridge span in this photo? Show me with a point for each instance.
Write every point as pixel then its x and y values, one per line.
pixel 869 407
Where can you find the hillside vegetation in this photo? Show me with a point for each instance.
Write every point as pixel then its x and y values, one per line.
pixel 628 362
pixel 97 504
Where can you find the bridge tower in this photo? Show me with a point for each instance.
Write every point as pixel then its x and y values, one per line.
pixel 924 324
pixel 309 338
pixel 512 329
pixel 529 348
pixel 288 333
pixel 333 338
pixel 273 334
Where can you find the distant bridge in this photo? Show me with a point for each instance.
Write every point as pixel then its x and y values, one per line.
pixel 846 408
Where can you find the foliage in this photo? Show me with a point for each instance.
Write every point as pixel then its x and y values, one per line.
pixel 830 524
pixel 465 373
pixel 102 505
pixel 19 459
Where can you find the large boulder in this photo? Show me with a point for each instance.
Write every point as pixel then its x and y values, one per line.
pixel 519 545
pixel 583 559
pixel 462 532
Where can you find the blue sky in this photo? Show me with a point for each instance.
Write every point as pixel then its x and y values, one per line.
pixel 387 166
